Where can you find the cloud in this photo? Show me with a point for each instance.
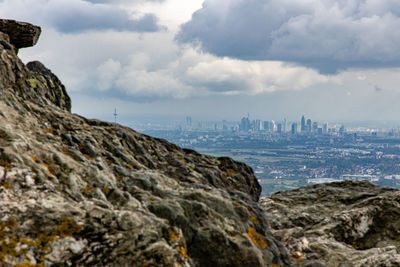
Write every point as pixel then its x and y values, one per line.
pixel 327 35
pixel 106 74
pixel 123 1
pixel 71 16
pixel 231 76
pixel 152 66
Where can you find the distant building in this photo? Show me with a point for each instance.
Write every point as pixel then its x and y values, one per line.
pixel 244 125
pixel 257 125
pixel 279 128
pixel 315 127
pixel 266 126
pixel 188 121
pixel 342 130
pixel 224 126
pixel 284 128
pixel 294 128
pixel 272 126
pixel 325 128
pixel 309 125
pixel 303 124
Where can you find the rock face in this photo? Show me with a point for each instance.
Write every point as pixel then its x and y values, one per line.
pixel 350 223
pixel 81 192
pixel 49 86
pixel 21 34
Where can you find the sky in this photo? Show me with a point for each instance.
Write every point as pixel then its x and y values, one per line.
pixel 331 60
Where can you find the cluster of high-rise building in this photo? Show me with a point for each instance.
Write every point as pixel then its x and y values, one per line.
pixel 307 126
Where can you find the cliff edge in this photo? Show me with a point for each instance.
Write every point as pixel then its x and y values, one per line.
pixel 81 192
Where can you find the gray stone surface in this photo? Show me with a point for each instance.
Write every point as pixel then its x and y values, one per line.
pixel 350 223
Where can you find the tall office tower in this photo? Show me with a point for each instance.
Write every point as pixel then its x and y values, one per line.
pixel 257 125
pixel 266 126
pixel 294 128
pixel 308 128
pixel 244 125
pixel 325 128
pixel 272 126
pixel 188 121
pixel 303 124
pixel 279 128
pixel 341 130
pixel 284 128
pixel 315 127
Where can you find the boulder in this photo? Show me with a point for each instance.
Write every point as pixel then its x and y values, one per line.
pixel 349 223
pixel 21 34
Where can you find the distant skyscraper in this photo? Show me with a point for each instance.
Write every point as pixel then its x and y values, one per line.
pixel 303 124
pixel 294 128
pixel 257 125
pixel 315 127
pixel 244 125
pixel 341 130
pixel 279 128
pixel 309 125
pixel 188 121
pixel 266 126
pixel 272 126
pixel 325 128
pixel 284 128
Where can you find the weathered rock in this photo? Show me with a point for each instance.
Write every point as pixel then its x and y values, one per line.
pixel 350 223
pixel 51 88
pixel 21 34
pixel 79 192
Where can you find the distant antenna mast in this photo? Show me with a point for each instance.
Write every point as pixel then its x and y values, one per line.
pixel 115 115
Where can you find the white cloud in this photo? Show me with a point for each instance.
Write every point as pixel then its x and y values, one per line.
pixel 107 73
pixel 237 77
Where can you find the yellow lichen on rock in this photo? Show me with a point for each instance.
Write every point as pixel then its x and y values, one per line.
pixel 33 83
pixel 183 251
pixel 173 236
pixel 68 227
pixel 256 238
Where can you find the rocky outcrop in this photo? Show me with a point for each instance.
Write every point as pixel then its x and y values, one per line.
pixel 81 192
pixel 350 223
pixel 21 34
pixel 48 85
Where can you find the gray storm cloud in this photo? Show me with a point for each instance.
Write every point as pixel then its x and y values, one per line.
pixel 325 35
pixel 72 16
